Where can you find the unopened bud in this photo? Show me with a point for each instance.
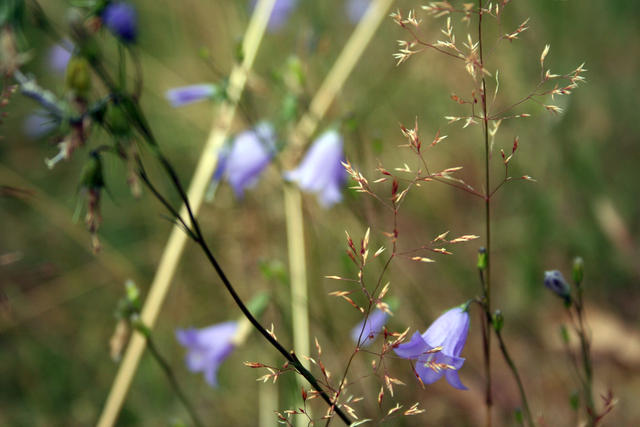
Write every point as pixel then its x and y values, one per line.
pixel 133 294
pixel 78 75
pixel 498 321
pixel 578 270
pixel 554 280
pixel 482 259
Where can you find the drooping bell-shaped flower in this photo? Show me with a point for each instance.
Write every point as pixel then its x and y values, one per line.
pixel 355 9
pixel 207 348
pixel 122 20
pixel 437 351
pixel 279 14
pixel 250 153
pixel 372 328
pixel 321 171
pixel 184 95
pixel 554 281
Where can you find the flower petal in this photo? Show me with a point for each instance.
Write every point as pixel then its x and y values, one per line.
pixel 453 379
pixel 427 374
pixel 449 331
pixel 184 95
pixel 413 349
pixel 374 325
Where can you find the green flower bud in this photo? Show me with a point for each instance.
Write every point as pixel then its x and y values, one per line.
pixel 78 75
pixel 578 270
pixel 132 292
pixel 482 259
pixel 498 321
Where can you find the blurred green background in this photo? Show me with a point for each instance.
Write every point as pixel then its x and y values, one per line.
pixel 57 316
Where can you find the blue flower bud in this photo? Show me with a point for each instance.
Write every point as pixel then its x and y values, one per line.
pixel 121 19
pixel 554 280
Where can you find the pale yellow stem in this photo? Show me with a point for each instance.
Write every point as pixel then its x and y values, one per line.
pixel 307 125
pixel 268 405
pixel 298 271
pixel 175 245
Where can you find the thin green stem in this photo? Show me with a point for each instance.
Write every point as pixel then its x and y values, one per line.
pixel 516 375
pixel 172 380
pixel 487 283
pixel 585 349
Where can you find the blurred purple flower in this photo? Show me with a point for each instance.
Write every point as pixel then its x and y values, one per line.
pixel 373 327
pixel 38 124
pixel 280 13
pixel 207 348
pixel 320 171
pixel 250 152
pixel 184 95
pixel 122 20
pixel 356 9
pixel 449 333
pixel 59 56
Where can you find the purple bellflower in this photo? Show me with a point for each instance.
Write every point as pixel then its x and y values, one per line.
pixel 321 171
pixel 250 153
pixel 437 351
pixel 355 9
pixel 184 95
pixel 121 19
pixel 372 328
pixel 207 348
pixel 59 56
pixel 279 14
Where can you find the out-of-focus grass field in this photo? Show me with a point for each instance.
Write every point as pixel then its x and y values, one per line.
pixel 55 326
